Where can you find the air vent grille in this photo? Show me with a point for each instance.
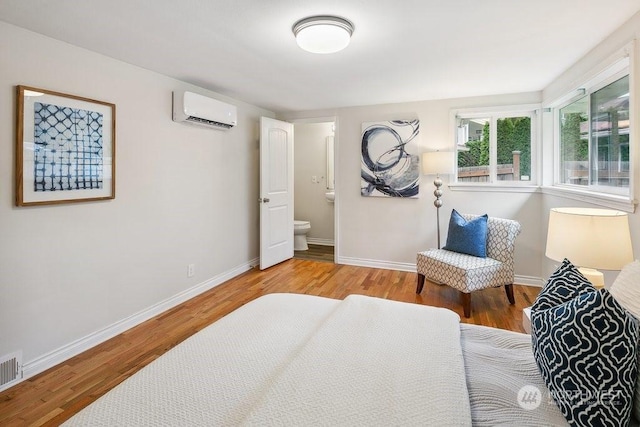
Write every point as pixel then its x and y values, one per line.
pixel 208 122
pixel 10 369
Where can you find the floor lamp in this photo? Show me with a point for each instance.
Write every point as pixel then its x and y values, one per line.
pixel 436 163
pixel 591 239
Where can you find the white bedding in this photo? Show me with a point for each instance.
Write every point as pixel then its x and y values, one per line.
pixel 498 364
pixel 287 359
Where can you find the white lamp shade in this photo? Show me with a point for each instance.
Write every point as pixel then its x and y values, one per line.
pixel 594 238
pixel 323 34
pixel 437 162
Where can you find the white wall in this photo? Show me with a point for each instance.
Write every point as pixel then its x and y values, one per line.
pixel 310 159
pixel 184 195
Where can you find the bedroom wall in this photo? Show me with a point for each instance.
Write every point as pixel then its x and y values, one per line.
pixel 387 232
pixel 184 195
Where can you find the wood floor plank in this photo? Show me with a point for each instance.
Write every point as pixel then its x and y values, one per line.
pixel 54 396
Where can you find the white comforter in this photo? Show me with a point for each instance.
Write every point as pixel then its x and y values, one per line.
pixel 287 359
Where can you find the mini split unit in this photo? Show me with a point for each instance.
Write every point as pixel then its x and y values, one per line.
pixel 190 107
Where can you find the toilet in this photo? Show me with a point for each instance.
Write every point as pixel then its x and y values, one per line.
pixel 300 230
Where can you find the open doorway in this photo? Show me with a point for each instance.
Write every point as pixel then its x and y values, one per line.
pixel 314 190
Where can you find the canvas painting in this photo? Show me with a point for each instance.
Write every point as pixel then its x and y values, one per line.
pixel 390 164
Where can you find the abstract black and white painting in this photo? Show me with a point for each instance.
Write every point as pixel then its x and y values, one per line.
pixel 65 148
pixel 390 165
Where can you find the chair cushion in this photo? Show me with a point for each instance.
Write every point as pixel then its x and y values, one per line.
pixel 467 237
pixel 464 272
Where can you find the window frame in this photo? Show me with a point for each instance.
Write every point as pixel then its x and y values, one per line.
pixel 494 114
pixel 617 66
pixel 587 93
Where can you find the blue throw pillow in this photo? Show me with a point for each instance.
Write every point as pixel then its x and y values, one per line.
pixel 467 237
pixel 563 285
pixel 586 350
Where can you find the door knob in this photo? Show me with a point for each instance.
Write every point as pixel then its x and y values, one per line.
pixel 265 200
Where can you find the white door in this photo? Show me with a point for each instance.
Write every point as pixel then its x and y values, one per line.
pixel 276 192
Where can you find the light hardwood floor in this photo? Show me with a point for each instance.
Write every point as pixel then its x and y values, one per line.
pixel 55 395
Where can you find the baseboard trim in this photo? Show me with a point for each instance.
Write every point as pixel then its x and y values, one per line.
pixel 529 281
pixel 319 241
pixel 49 360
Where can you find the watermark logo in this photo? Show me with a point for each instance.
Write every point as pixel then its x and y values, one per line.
pixel 529 397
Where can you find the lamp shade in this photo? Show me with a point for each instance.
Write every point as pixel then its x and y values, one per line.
pixel 437 162
pixel 594 238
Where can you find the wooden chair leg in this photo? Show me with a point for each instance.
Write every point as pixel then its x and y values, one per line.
pixel 509 290
pixel 420 283
pixel 466 304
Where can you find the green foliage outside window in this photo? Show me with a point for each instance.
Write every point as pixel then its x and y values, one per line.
pixel 513 134
pixel 574 146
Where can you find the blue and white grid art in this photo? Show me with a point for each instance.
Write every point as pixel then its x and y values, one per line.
pixel 390 165
pixel 68 152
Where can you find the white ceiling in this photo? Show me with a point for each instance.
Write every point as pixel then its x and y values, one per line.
pixel 401 50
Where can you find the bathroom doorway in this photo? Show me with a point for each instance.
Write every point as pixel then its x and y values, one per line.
pixel 314 187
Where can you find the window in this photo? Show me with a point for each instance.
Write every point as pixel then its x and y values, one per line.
pixel 495 147
pixel 594 138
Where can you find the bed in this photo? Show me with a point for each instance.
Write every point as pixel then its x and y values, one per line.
pixel 291 359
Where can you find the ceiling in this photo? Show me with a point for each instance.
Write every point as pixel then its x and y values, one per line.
pixel 401 50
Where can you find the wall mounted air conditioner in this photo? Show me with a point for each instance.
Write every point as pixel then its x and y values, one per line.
pixel 197 109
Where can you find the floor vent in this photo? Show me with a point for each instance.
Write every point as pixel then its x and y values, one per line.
pixel 10 369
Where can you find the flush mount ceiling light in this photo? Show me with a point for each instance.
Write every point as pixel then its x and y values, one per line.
pixel 323 34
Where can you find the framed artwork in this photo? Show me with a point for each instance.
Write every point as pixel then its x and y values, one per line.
pixel 65 148
pixel 390 162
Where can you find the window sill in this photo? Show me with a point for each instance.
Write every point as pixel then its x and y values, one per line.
pixel 507 188
pixel 621 203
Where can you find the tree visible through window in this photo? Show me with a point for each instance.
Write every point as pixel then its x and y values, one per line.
pixel 574 142
pixel 514 136
pixel 594 139
pixel 512 143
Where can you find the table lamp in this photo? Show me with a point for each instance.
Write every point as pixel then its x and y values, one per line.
pixel 436 163
pixel 591 239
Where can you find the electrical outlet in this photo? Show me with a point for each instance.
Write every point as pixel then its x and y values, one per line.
pixel 191 270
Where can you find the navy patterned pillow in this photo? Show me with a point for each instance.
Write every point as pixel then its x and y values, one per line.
pixel 586 351
pixel 563 285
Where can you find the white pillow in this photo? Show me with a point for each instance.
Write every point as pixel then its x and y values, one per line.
pixel 626 290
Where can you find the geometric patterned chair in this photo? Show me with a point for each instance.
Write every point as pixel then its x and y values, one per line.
pixel 468 273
